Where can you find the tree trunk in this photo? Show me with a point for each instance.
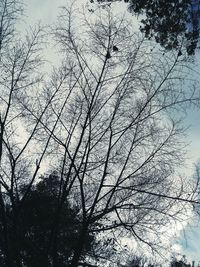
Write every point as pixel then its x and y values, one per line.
pixel 5 232
pixel 79 248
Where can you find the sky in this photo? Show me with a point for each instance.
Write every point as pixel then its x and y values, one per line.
pixel 188 242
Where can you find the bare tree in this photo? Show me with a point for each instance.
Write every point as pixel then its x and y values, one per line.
pixel 19 65
pixel 106 120
pixel 119 135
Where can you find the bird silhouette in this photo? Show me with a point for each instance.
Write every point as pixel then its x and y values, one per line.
pixel 179 53
pixel 115 48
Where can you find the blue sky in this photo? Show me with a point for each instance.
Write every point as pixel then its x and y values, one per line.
pixel 46 12
pixel 190 242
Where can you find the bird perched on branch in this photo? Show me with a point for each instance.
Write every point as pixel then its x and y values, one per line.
pixel 179 53
pixel 115 48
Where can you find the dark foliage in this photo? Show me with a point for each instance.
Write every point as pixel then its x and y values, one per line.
pixel 31 228
pixel 172 23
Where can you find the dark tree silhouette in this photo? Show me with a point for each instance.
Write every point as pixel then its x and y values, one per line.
pixel 29 242
pixel 181 262
pixel 173 24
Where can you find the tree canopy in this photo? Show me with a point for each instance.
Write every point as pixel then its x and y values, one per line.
pixel 174 24
pixel 29 240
